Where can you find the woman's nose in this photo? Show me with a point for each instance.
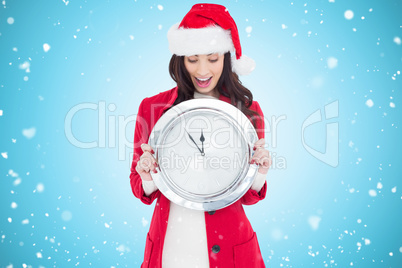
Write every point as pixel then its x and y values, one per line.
pixel 203 68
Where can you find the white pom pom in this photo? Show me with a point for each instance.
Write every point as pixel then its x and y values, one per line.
pixel 243 66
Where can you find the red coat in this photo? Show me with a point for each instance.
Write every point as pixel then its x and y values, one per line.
pixel 227 228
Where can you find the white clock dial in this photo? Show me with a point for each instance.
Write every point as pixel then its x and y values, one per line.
pixel 207 167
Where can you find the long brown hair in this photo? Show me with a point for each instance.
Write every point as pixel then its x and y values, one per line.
pixel 228 85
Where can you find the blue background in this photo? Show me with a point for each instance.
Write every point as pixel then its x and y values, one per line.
pixel 63 205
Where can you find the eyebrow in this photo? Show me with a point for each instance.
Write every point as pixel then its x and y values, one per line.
pixel 207 55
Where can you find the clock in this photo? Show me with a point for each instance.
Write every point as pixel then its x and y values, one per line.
pixel 203 148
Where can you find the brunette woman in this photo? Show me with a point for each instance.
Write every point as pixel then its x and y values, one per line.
pixel 202 67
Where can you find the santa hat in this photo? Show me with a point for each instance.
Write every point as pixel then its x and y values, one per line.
pixel 206 29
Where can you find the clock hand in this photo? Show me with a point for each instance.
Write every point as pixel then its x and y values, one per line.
pixel 202 139
pixel 191 138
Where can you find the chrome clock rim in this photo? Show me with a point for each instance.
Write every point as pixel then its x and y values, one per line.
pixel 225 197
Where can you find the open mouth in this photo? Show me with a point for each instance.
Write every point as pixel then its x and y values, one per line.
pixel 203 82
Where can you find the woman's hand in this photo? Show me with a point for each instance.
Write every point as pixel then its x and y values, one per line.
pixel 147 163
pixel 261 157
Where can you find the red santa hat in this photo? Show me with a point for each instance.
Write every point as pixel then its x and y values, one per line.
pixel 206 29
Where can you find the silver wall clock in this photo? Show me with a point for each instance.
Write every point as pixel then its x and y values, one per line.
pixel 203 148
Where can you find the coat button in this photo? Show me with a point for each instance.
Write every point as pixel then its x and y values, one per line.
pixel 212 212
pixel 216 249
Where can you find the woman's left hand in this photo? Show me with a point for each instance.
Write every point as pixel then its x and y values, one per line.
pixel 261 157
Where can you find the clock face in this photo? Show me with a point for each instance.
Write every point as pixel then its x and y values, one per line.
pixel 203 153
pixel 203 148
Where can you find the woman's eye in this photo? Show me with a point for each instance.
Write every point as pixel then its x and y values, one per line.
pixel 214 60
pixel 192 61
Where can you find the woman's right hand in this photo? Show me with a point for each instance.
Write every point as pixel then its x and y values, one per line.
pixel 147 163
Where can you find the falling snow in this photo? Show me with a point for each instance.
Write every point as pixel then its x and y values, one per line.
pixel 66 215
pixel 379 185
pixel 314 222
pixel 70 206
pixel 25 66
pixel 46 47
pixel 369 103
pixel 12 173
pixel 29 133
pixel 348 14
pixel 144 222
pixel 373 193
pixel 40 187
pixel 332 62
pixel 10 20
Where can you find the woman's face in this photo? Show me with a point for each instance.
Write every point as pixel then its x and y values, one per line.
pixel 205 71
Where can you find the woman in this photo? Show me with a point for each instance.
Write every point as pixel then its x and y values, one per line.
pixel 202 67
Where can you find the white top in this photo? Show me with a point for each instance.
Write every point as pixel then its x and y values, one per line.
pixel 187 227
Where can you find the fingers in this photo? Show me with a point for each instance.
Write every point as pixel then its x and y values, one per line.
pixel 147 148
pixel 262 158
pixel 146 176
pixel 147 162
pixel 259 144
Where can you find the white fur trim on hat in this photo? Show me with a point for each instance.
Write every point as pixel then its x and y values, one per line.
pixel 243 66
pixel 199 41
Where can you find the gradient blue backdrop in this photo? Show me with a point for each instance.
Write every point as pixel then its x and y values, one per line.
pixel 63 205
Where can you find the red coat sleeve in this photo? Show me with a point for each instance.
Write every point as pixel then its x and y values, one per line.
pixel 251 196
pixel 141 135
